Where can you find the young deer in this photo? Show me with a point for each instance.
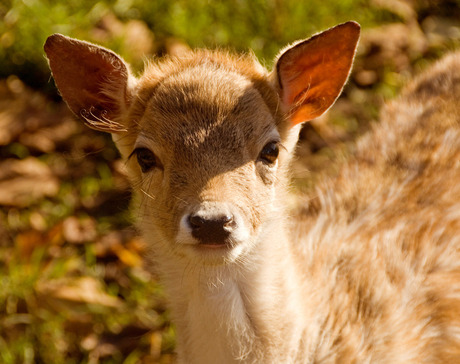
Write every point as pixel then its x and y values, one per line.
pixel 368 272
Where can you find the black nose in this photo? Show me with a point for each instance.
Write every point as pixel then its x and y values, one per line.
pixel 211 230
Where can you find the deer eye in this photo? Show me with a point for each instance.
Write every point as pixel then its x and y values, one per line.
pixel 146 159
pixel 269 153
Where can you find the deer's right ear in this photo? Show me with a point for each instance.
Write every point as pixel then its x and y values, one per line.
pixel 95 82
pixel 310 75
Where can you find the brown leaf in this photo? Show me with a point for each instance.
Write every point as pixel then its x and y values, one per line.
pixel 24 112
pixel 395 45
pixel 79 231
pixel 46 139
pixel 28 241
pixel 79 290
pixel 127 257
pixel 23 182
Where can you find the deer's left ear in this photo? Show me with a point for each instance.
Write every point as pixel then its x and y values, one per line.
pixel 310 75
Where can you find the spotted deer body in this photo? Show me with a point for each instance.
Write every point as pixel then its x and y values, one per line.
pixel 368 271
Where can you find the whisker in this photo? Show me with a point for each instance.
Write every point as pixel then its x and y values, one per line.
pixel 147 194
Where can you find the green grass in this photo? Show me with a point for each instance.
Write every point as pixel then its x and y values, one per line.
pixel 261 25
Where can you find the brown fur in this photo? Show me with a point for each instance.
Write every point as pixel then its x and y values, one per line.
pixel 383 236
pixel 368 272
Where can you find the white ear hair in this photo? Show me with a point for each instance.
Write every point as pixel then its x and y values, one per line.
pixel 292 138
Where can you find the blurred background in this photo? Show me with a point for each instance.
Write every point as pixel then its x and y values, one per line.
pixel 73 287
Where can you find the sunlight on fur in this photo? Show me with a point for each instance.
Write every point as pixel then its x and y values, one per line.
pixel 367 272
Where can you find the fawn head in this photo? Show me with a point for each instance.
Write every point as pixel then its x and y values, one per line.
pixel 206 136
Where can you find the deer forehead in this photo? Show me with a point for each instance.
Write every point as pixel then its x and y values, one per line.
pixel 206 111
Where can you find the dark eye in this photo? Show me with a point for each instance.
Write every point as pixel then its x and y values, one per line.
pixel 269 153
pixel 146 159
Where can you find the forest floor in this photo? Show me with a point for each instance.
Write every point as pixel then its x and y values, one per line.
pixel 73 285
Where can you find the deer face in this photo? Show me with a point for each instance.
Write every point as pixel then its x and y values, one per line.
pixel 206 161
pixel 206 136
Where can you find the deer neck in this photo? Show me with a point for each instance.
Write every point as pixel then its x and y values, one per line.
pixel 246 312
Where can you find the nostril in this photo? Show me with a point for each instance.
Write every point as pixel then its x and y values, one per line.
pixel 196 221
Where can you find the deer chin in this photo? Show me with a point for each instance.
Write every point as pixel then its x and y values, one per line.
pixel 210 254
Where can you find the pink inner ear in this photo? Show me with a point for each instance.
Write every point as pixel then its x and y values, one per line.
pixel 312 73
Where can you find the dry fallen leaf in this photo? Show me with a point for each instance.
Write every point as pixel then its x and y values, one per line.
pixel 25 181
pixel 28 241
pixel 24 112
pixel 127 257
pixel 79 231
pixel 79 290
